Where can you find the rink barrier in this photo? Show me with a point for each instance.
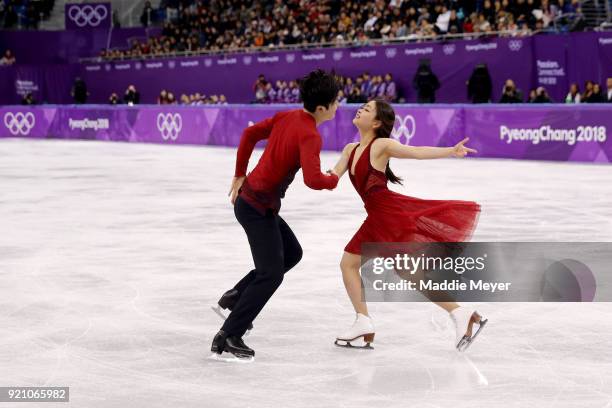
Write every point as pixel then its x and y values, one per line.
pixel 544 132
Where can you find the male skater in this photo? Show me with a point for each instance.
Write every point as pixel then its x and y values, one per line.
pixel 293 142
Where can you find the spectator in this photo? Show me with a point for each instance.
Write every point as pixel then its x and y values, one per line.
pixel 295 91
pixel 588 91
pixel 162 99
pixel 222 100
pixel 260 89
pixel 197 99
pixel 113 99
pixel 10 16
pixel 374 87
pixel 609 94
pixel 480 85
pixel 542 96
pixel 146 18
pixel 366 84
pixel 116 23
pixel 131 96
pixel 32 17
pixel 356 96
pixel 426 83
pixel 469 24
pixel 532 96
pixel 8 58
pixel 79 91
pixel 510 93
pixel 286 92
pixel 348 86
pixel 28 99
pixel 597 96
pixel 390 89
pixel 454 23
pixel 573 95
pixel 443 20
pixel 270 93
pixel 170 99
pixel 549 12
pixel 382 87
pixel 483 24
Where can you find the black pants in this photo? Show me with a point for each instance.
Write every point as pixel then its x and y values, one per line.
pixel 275 250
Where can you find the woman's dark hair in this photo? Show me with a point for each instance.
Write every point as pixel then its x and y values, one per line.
pixel 386 115
pixel 318 88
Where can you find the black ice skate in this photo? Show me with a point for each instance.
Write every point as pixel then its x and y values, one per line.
pixel 227 302
pixel 231 348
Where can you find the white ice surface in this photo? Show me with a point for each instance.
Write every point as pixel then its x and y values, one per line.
pixel 112 253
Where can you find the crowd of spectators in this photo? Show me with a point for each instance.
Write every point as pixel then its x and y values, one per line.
pixel 354 90
pixel 7 58
pixel 192 26
pixel 167 98
pixel 366 87
pixel 593 93
pixel 24 13
pixel 131 97
pixel 361 89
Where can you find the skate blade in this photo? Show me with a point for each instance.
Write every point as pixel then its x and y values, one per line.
pixel 471 340
pixel 466 341
pixel 230 358
pixel 347 344
pixel 217 309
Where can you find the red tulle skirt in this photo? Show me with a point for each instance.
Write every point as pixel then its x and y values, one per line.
pixel 393 217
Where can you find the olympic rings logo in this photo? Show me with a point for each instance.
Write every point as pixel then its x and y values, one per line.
pixel 87 15
pixel 449 49
pixel 391 52
pixel 405 129
pixel 19 123
pixel 515 45
pixel 169 125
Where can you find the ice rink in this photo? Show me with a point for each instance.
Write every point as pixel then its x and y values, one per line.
pixel 111 255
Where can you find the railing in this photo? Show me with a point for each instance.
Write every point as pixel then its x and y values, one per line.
pixel 567 21
pixel 596 12
pixel 330 44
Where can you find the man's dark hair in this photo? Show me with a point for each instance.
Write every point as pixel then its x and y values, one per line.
pixel 318 88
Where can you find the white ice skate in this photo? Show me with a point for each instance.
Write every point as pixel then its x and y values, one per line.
pixel 464 320
pixel 363 327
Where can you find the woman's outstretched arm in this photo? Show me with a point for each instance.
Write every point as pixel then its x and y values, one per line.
pixel 393 148
pixel 342 165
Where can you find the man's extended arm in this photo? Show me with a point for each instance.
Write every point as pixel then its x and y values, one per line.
pixel 310 148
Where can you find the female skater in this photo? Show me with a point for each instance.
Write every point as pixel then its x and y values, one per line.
pixel 393 217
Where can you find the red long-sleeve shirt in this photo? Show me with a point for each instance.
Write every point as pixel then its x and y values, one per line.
pixel 293 142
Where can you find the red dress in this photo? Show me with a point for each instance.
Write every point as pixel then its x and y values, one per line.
pixel 393 217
